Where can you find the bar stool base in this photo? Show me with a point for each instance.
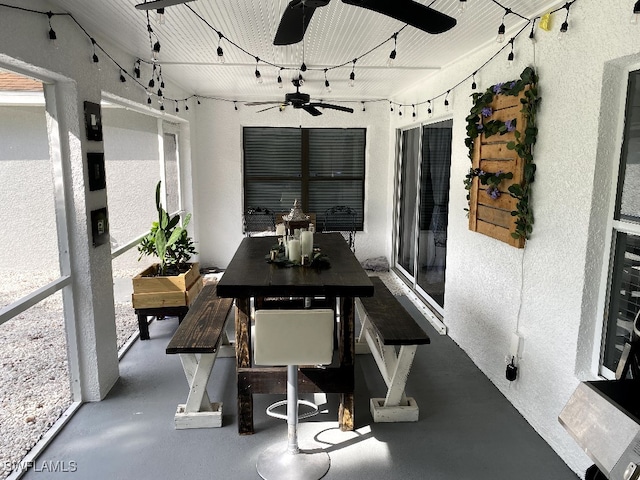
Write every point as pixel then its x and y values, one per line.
pixel 277 463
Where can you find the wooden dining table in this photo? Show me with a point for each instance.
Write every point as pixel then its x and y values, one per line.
pixel 249 275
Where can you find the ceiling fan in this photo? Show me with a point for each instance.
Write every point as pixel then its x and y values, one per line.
pixel 301 100
pixel 155 4
pixel 297 15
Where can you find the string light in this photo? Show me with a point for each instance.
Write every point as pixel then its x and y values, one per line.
pixel 257 72
pixel 160 94
pixel 392 55
pixel 363 107
pixel 280 84
pixel 474 85
pixel 155 52
pixel 352 75
pixel 429 110
pixel 636 13
pixel 219 51
pixel 122 77
pixel 136 68
pixel 95 55
pixel 446 101
pixel 148 97
pixel 532 34
pixel 502 28
pixel 327 85
pixel 414 111
pixel 565 25
pixel 462 6
pixel 161 102
pixel 186 106
pixel 303 67
pixel 235 105
pixel 177 109
pixel 160 16
pixel 152 82
pixel 198 100
pixel 511 56
pixel 400 110
pixel 391 106
pixel 52 34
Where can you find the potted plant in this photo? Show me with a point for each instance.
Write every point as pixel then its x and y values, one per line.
pixel 173 281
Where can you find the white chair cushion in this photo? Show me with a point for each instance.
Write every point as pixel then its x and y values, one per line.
pixel 294 337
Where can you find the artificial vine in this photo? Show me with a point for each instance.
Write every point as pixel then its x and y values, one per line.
pixel 523 144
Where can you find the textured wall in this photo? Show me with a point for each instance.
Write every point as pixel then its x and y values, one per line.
pixel 558 276
pixel 218 173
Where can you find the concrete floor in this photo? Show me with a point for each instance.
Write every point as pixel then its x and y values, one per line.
pixel 467 429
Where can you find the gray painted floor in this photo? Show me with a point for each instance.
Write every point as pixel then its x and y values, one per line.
pixel 467 429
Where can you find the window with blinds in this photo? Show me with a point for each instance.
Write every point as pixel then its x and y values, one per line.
pixel 623 303
pixel 321 167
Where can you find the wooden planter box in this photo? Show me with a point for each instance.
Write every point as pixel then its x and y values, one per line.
pixel 150 291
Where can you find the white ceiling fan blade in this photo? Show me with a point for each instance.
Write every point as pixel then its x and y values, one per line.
pixel 160 4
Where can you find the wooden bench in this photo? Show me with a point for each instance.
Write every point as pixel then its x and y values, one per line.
pixel 199 339
pixel 387 326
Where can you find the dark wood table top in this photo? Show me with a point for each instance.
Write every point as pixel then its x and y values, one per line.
pixel 249 274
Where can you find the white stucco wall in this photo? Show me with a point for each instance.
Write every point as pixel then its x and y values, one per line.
pixel 218 173
pixel 558 276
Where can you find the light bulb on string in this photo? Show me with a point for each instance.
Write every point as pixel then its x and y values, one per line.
pixel 327 85
pixel 161 102
pixel 414 115
pixel 177 109
pixel 429 109
pixel 303 67
pixel 532 34
pixel 257 72
pixel 502 28
pixel 186 105
pixel 219 50
pixel 400 110
pixel 352 75
pixel 565 25
pixel 160 19
pixel 95 55
pixel 52 34
pixel 122 77
pixel 462 6
pixel 160 94
pixel 363 107
pixel 280 84
pixel 636 13
pixel 155 51
pixel 511 56
pixel 198 101
pixel 392 56
pixel 148 97
pixel 136 68
pixel 235 105
pixel 446 101
pixel 391 107
pixel 474 85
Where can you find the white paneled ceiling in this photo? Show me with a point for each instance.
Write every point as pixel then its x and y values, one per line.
pixel 337 34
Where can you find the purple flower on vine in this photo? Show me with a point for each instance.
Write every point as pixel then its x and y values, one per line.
pixel 487 111
pixel 513 84
pixel 497 87
pixel 510 124
pixel 493 192
pixel 480 126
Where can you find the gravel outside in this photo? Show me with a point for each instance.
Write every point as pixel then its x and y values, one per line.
pixel 34 374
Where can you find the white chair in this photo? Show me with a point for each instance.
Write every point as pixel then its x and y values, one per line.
pixel 292 338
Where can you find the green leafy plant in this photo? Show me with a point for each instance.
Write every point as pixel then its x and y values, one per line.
pixel 523 144
pixel 168 241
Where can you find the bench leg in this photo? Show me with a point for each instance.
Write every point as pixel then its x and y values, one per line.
pixel 395 368
pixel 198 412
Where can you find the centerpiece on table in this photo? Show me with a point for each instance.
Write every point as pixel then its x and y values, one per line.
pixel 173 281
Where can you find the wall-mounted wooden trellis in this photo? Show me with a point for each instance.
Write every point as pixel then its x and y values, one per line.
pixel 501 133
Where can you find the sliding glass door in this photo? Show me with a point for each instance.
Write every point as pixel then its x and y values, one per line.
pixel 424 162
